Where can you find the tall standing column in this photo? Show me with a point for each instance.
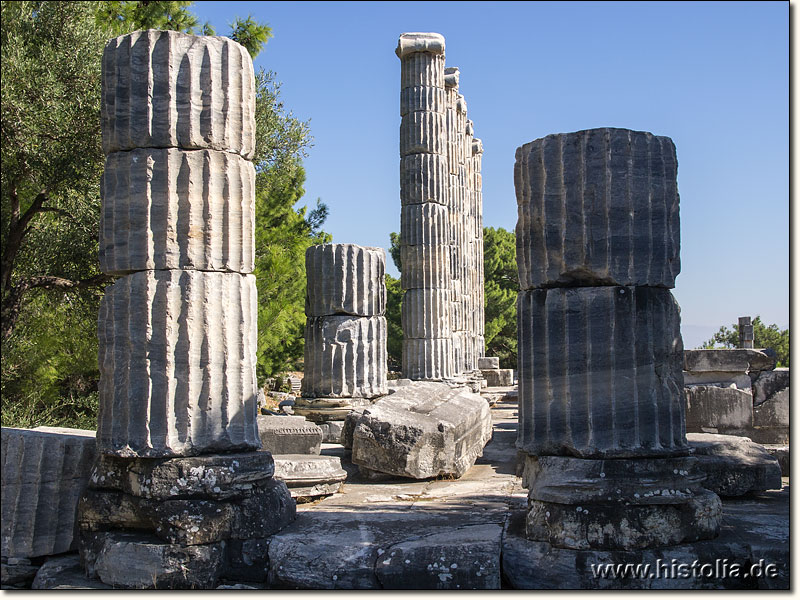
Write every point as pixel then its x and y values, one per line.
pixel 600 350
pixel 177 497
pixel 424 230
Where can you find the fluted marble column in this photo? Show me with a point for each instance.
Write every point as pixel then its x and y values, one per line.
pixel 424 187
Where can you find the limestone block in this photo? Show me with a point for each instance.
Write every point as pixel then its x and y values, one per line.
pixel 773 413
pixel 734 465
pixel 422 132
pixel 429 358
pixel 309 477
pixel 600 372
pixel 424 224
pixel 345 279
pixel 423 178
pixel 211 476
pixel 345 357
pixel 265 510
pixel 423 430
pixel 498 377
pixel 739 360
pixel 770 384
pixel 425 313
pixel 622 504
pixel 425 266
pixel 289 435
pixel 709 406
pixel 44 471
pixel 597 207
pixel 177 364
pixel 422 98
pixel 719 379
pixel 165 208
pixel 142 561
pixel 488 362
pixel 165 89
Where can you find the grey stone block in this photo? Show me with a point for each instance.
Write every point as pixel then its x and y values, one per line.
pixel 600 372
pixel 488 362
pixel 65 573
pixel 165 89
pixel 217 476
pixel 165 208
pixel 425 313
pixel 423 178
pixel 310 477
pixel 177 364
pixel 331 432
pixel 598 207
pixel 734 465
pixel 738 360
pixel 422 133
pixel 423 430
pixel 345 279
pixel 770 384
pixel 498 377
pixel 44 472
pixel 430 359
pixel 781 453
pixel 289 435
pixel 344 357
pixel 709 406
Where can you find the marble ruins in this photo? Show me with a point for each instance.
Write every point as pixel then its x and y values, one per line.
pixel 179 495
pixel 600 350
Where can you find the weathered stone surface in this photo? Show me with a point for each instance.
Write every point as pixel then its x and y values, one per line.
pixel 65 573
pixel 16 573
pixel 723 409
pixel 598 207
pixel 289 435
pixel 44 471
pixel 345 357
pixel 623 526
pixel 718 379
pixel 177 364
pixel 600 372
pixel 308 476
pixel 331 432
pixel 425 313
pixel 218 476
pixel 422 133
pixel 428 359
pixel 142 561
pixel 421 431
pixel 345 279
pixel 265 510
pixel 422 98
pixel 425 266
pixel 738 360
pixel 424 224
pixel 423 179
pixel 165 89
pixel 328 410
pixel 734 465
pixel 530 565
pixel 781 453
pixel 165 208
pixel 413 42
pixel 498 377
pixel 770 384
pixel 488 362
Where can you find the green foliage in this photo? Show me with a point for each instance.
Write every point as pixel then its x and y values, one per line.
pixel 764 336
pixel 394 337
pixel 394 249
pixel 51 165
pixel 500 295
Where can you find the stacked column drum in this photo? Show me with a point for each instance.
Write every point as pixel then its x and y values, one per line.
pixel 178 330
pixel 600 350
pixel 441 232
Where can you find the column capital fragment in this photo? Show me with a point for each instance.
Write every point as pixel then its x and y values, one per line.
pixel 419 42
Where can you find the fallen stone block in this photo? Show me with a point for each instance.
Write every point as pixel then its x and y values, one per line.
pixel 498 377
pixel 734 465
pixel 65 573
pixel 289 435
pixel 331 432
pixel 328 410
pixel 769 384
pixel 16 573
pixel 773 412
pixel 423 430
pixel 740 360
pixel 781 453
pixel 44 472
pixel 488 362
pixel 309 477
pixel 723 409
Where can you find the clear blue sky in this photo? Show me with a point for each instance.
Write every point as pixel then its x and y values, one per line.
pixel 712 76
